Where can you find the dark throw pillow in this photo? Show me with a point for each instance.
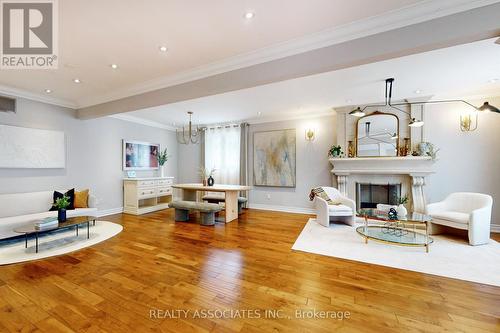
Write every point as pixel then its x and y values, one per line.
pixel 70 194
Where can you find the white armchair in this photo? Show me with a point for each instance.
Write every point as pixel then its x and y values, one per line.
pixel 466 211
pixel 344 211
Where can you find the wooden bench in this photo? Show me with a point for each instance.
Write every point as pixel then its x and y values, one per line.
pixel 207 211
pixel 216 199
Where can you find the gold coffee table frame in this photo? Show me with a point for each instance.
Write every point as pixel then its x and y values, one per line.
pixel 395 231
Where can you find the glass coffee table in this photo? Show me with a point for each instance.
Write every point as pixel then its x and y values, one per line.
pixel 401 231
pixel 76 221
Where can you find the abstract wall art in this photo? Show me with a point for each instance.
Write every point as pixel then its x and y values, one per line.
pixel 274 158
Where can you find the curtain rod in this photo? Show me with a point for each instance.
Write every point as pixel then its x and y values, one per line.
pixel 224 126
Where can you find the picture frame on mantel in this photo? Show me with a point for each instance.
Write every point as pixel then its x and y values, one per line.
pixel 140 155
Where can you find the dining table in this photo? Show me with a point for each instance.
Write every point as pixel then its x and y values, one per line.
pixel 190 191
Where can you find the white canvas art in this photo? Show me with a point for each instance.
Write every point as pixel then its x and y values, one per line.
pixel 31 148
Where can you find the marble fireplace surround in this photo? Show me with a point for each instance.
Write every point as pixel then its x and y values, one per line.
pixel 409 171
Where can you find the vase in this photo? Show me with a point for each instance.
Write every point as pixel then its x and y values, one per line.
pixel 210 181
pixel 204 182
pixel 401 210
pixel 61 215
pixel 162 171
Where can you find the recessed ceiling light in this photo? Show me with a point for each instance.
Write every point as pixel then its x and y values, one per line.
pixel 259 113
pixel 348 101
pixel 77 80
pixel 163 49
pixel 249 15
pixel 114 66
pixel 492 80
pixel 48 91
pixel 418 91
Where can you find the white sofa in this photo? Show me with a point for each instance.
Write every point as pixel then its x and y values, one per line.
pixel 344 212
pixel 463 210
pixel 24 208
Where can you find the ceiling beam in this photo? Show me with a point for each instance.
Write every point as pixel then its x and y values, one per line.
pixel 469 26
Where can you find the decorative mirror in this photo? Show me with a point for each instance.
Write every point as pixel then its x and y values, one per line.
pixel 377 135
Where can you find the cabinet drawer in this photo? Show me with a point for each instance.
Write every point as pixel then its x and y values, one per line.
pixel 143 183
pixel 164 191
pixel 146 192
pixel 163 182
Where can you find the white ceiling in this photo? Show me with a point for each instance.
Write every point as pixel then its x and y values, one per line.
pixel 455 72
pixel 94 34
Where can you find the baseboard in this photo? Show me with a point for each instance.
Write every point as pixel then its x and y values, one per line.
pixel 495 228
pixel 286 209
pixel 112 211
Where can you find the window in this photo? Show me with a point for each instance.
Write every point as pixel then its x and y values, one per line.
pixel 222 152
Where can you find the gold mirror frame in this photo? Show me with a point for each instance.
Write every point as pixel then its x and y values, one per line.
pixel 377 113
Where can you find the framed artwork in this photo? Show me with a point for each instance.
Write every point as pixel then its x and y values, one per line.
pixel 31 148
pixel 274 158
pixel 138 155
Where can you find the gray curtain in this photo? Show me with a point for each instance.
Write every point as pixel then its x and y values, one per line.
pixel 244 159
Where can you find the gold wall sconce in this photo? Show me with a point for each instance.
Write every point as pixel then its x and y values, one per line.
pixel 468 122
pixel 310 134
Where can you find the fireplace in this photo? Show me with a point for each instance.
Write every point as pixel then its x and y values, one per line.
pixel 369 195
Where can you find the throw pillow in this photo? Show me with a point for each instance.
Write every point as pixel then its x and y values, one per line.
pixel 70 194
pixel 81 199
pixel 318 191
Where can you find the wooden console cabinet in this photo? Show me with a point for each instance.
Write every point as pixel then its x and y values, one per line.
pixel 146 195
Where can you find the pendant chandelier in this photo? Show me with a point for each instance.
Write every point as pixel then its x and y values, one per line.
pixel 360 112
pixel 188 135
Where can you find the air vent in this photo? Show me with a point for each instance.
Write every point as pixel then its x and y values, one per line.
pixel 7 104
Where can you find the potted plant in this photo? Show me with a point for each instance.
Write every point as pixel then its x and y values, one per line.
pixel 335 151
pixel 162 159
pixel 401 209
pixel 61 205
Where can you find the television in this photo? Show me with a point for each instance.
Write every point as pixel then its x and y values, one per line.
pixel 138 155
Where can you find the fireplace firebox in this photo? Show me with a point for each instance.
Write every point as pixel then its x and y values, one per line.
pixel 369 195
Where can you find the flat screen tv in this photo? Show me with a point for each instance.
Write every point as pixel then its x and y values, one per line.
pixel 138 155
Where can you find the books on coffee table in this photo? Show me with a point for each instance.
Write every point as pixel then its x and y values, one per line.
pixel 46 223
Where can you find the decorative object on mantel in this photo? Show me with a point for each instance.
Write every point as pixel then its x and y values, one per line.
pixel 401 209
pixel 335 151
pixel 427 149
pixel 360 112
pixel 163 157
pixel 189 135
pixel 406 148
pixel 351 152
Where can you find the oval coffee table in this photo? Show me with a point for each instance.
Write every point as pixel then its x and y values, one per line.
pixel 70 222
pixel 400 231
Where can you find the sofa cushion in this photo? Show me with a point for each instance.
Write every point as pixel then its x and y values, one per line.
pixel 25 203
pixel 81 199
pixel 320 192
pixel 339 208
pixel 451 216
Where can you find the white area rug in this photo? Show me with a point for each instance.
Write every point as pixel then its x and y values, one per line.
pixel 56 243
pixel 447 257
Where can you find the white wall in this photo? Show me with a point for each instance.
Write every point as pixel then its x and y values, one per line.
pixel 313 168
pixel 93 149
pixel 468 161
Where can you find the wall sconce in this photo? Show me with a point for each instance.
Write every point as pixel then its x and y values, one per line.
pixel 467 122
pixel 310 134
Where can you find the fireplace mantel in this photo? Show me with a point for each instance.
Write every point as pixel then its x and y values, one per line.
pixel 379 169
pixel 408 165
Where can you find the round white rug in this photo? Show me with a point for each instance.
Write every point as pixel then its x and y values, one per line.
pixel 56 243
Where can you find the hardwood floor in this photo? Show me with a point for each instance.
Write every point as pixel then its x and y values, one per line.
pixel 156 264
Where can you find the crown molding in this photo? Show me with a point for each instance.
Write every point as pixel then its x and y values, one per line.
pixel 142 121
pixel 413 14
pixel 283 117
pixel 14 92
